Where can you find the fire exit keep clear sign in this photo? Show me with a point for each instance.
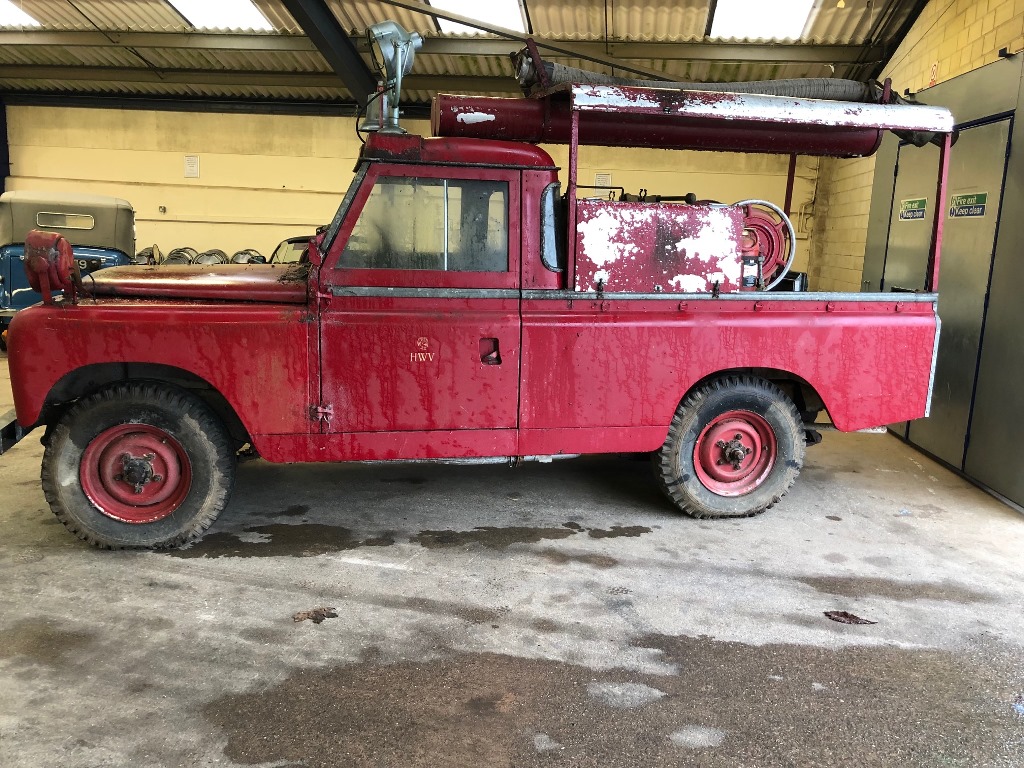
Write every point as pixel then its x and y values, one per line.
pixel 913 209
pixel 964 206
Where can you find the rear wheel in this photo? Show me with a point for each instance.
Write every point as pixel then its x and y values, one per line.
pixel 138 466
pixel 734 448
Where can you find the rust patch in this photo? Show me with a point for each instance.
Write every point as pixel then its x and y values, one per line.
pixel 316 615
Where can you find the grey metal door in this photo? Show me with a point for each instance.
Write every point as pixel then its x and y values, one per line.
pixel 998 415
pixel 971 217
pixel 910 224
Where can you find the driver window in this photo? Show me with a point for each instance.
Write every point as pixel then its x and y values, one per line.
pixel 452 225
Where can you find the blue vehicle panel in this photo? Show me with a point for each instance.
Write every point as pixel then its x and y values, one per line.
pixel 15 292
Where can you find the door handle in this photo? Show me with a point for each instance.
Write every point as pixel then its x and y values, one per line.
pixel 490 352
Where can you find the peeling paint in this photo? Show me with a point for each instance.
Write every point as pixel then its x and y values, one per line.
pixel 762 108
pixel 475 117
pixel 636 246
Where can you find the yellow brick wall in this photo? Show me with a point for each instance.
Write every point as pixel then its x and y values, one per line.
pixel 267 177
pixel 954 36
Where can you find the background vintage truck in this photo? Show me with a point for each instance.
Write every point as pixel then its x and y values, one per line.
pixel 102 229
pixel 461 307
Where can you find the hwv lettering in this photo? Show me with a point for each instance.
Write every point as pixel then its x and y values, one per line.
pixel 422 357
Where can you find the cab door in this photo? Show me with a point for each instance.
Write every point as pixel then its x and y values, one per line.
pixel 420 330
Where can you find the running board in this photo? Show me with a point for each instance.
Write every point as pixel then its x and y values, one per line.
pixel 11 431
pixel 834 428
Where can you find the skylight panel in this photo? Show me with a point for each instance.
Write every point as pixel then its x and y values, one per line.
pixel 497 13
pixel 754 19
pixel 12 15
pixel 222 14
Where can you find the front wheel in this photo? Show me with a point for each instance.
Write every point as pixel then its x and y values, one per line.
pixel 734 448
pixel 138 465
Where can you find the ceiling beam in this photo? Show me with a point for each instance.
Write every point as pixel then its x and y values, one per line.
pixel 323 28
pixel 282 106
pixel 511 34
pixel 458 46
pixel 199 77
pixel 615 51
pixel 221 41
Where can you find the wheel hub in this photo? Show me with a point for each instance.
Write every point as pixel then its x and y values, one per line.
pixel 135 473
pixel 138 472
pixel 734 453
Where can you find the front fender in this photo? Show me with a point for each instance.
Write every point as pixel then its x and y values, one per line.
pixel 256 356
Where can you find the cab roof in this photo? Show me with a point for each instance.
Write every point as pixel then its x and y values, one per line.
pixel 409 148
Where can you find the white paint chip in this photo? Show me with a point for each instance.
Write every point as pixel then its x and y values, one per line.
pixel 544 743
pixel 624 695
pixel 253 537
pixel 469 118
pixel 697 737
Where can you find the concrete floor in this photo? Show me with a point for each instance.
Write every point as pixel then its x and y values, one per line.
pixel 552 615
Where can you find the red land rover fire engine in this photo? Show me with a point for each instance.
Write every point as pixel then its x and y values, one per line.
pixel 462 305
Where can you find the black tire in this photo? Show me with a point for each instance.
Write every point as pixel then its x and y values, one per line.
pixel 772 461
pixel 194 437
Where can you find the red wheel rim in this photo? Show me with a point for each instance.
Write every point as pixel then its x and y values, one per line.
pixel 734 453
pixel 135 473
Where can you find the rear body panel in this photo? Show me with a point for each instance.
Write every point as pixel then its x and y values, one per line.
pixel 612 361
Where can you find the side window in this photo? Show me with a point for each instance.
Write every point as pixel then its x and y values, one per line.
pixel 453 225
pixel 65 220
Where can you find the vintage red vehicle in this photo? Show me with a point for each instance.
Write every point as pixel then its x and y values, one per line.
pixel 459 306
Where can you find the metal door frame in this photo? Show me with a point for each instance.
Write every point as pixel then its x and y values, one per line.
pixel 977 123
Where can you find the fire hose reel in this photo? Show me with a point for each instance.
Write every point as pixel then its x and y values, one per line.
pixel 50 264
pixel 768 243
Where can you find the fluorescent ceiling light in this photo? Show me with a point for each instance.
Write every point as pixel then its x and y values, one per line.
pixel 497 13
pixel 12 15
pixel 753 19
pixel 222 14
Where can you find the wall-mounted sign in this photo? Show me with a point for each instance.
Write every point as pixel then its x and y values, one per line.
pixel 965 206
pixel 910 210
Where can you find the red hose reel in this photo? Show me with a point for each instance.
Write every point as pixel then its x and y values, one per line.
pixel 768 244
pixel 50 264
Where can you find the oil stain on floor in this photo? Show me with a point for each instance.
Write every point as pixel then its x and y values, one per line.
pixel 311 539
pixel 890 589
pixel 502 538
pixel 281 540
pixel 730 704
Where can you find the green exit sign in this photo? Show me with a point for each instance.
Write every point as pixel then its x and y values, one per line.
pixel 913 209
pixel 966 206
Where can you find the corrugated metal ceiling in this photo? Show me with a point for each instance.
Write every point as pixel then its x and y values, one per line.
pixel 161 68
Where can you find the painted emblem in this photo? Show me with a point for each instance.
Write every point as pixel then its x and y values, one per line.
pixel 423 353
